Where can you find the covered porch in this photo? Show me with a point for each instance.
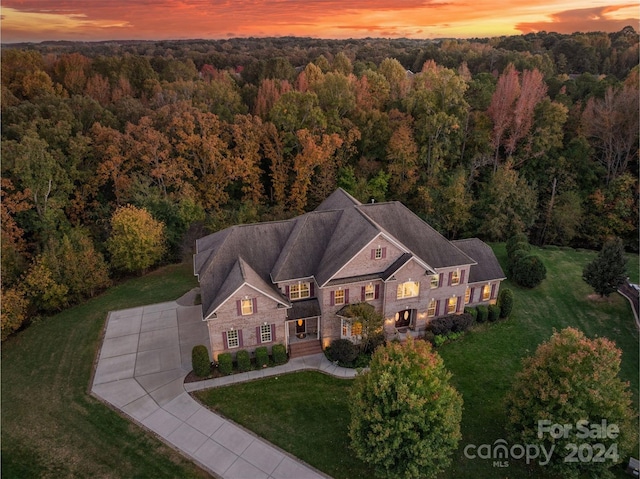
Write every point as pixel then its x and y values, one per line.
pixel 302 328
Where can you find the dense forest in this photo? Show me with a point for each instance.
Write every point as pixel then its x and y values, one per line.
pixel 174 139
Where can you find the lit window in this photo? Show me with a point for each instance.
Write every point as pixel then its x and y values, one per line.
pixel 467 296
pixel 265 333
pixel 378 253
pixel 369 292
pixel 299 291
pixel 409 289
pixel 455 277
pixel 431 310
pixel 339 296
pixel 233 340
pixel 246 307
pixel 346 330
pixel 356 329
pixel 486 292
pixel 435 281
pixel 451 305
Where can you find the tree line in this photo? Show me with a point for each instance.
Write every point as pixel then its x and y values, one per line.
pixel 487 137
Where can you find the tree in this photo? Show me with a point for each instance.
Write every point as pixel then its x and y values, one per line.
pixel 405 416
pixel 137 240
pixel 572 380
pixel 608 270
pixel 370 321
pixel 14 311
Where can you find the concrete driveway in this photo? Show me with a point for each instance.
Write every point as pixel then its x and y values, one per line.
pixel 145 356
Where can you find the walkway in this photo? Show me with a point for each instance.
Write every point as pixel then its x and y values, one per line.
pixel 145 356
pixel 631 293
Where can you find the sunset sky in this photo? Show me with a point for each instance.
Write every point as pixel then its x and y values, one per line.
pixel 39 20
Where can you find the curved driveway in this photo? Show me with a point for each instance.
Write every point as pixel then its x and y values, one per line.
pixel 145 356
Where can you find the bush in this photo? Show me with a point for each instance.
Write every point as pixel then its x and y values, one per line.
pixel 514 258
pixel 505 301
pixel 494 312
pixel 529 271
pixel 225 363
pixel 442 325
pixel 461 322
pixel 374 341
pixel 519 247
pixel 473 312
pixel 244 361
pixel 343 351
pixel 262 357
pixel 200 361
pixel 517 238
pixel 279 353
pixel 430 337
pixel 483 313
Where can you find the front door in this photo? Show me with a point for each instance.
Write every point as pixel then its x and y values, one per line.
pixel 403 319
pixel 301 327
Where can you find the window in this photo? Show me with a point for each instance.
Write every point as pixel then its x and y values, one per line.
pixel 409 289
pixel 349 330
pixel 233 340
pixel 369 292
pixel 435 281
pixel 299 291
pixel 378 253
pixel 467 296
pixel 265 333
pixel 451 305
pixel 486 292
pixel 431 310
pixel 339 297
pixel 246 307
pixel 455 277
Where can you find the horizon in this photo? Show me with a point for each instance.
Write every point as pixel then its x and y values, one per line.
pixel 38 21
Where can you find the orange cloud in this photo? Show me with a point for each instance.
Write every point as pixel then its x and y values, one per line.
pixel 37 20
pixel 582 20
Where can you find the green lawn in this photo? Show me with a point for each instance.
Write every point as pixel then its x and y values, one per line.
pixel 483 363
pixel 51 427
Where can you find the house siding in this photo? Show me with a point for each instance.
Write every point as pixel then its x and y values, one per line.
pixel 227 317
pixel 362 263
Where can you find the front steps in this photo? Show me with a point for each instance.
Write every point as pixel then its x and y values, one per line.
pixel 305 348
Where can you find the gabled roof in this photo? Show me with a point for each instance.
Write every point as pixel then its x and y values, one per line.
pixel 319 244
pixel 416 235
pixel 487 268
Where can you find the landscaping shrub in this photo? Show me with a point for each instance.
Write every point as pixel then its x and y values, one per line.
pixel 505 301
pixel 441 325
pixel 529 271
pixel 225 363
pixel 520 246
pixel 461 322
pixel 483 313
pixel 244 361
pixel 279 353
pixel 429 336
pixel 343 351
pixel 473 312
pixel 517 238
pixel 374 341
pixel 262 357
pixel 200 361
pixel 494 312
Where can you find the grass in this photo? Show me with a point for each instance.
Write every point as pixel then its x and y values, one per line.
pixel 303 413
pixel 51 427
pixel 483 363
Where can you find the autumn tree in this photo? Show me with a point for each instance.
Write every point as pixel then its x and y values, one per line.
pixel 405 416
pixel 402 155
pixel 269 92
pixel 314 152
pixel 13 312
pixel 612 126
pixel 370 322
pixel 608 271
pixel 396 75
pixel 573 380
pixel 137 240
pixel 248 134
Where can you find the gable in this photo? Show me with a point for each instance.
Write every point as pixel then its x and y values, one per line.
pixel 364 262
pixel 231 307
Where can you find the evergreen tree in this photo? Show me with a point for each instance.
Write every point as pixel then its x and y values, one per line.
pixel 609 270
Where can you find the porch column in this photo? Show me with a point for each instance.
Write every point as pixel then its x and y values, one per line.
pixel 318 336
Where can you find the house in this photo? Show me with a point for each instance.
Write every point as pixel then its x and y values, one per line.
pixel 287 281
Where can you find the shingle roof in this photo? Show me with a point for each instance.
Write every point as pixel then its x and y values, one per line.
pixel 487 268
pixel 420 238
pixel 307 308
pixel 319 244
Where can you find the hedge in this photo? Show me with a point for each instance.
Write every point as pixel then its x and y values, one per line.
pixel 505 301
pixel 279 353
pixel 244 361
pixel 529 271
pixel 483 313
pixel 262 357
pixel 343 351
pixel 225 363
pixel 494 312
pixel 455 323
pixel 200 361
